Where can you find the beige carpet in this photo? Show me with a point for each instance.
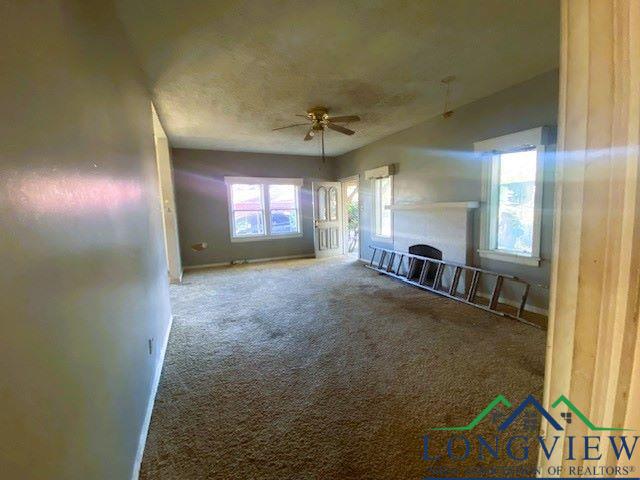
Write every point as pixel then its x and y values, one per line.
pixel 322 369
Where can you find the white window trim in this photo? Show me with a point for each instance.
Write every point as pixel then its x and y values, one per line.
pixel 266 212
pixel 488 152
pixel 374 236
pixel 264 180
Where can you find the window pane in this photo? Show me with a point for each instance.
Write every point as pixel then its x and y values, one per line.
pixel 352 193
pixel 516 196
pixel 282 197
pixel 246 197
pixel 385 187
pixel 376 206
pixel 284 221
pixel 333 203
pixel 385 225
pixel 382 200
pixel 322 203
pixel 247 223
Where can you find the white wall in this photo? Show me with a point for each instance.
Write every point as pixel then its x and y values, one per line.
pixel 83 285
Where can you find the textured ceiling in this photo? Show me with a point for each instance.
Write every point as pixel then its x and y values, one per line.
pixel 225 73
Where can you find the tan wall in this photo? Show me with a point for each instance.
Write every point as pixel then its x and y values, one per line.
pixel 83 284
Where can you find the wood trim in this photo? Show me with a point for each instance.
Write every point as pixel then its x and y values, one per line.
pixel 345 212
pixel 350 178
pixel 510 257
pixel 515 303
pixel 488 152
pixel 380 172
pixel 593 338
pixel 248 260
pixel 264 181
pixel 532 136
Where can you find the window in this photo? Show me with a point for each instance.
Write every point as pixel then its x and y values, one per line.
pixel 516 184
pixel 264 208
pixel 512 196
pixel 247 208
pixel 283 209
pixel 382 193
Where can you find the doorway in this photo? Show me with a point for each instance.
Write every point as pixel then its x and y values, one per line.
pixel 167 200
pixel 327 212
pixel 351 216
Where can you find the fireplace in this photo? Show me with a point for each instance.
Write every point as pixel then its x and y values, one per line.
pixel 424 251
pixel 447 227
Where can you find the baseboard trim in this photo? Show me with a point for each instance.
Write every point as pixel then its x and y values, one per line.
pixel 152 397
pixel 188 268
pixel 247 260
pixel 514 303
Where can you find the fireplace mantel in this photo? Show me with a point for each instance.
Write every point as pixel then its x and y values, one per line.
pixel 434 205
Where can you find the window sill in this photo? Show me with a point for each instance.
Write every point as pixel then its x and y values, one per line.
pixel 381 239
pixel 260 238
pixel 510 257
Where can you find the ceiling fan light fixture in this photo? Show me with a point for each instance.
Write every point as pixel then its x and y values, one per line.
pixel 447 112
pixel 321 121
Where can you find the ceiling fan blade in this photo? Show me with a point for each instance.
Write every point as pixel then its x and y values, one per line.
pixel 345 118
pixel 289 126
pixel 339 128
pixel 309 134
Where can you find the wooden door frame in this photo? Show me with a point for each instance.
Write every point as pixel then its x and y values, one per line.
pixel 345 213
pixel 166 190
pixel 593 342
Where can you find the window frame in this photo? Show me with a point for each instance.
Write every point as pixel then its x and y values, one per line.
pixel 266 207
pixel 489 152
pixel 378 214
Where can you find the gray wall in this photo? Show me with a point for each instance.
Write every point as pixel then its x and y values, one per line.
pixel 84 281
pixel 201 197
pixel 434 161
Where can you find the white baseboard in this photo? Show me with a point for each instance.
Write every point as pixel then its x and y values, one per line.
pixel 248 260
pixel 514 303
pixel 152 397
pixel 205 265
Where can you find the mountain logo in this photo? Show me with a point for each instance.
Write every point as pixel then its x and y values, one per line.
pixel 530 401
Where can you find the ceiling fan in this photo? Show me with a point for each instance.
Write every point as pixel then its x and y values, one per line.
pixel 320 121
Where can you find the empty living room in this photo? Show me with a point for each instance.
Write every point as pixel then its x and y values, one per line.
pixel 284 240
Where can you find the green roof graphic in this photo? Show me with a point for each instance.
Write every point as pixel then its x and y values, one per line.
pixel 501 400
